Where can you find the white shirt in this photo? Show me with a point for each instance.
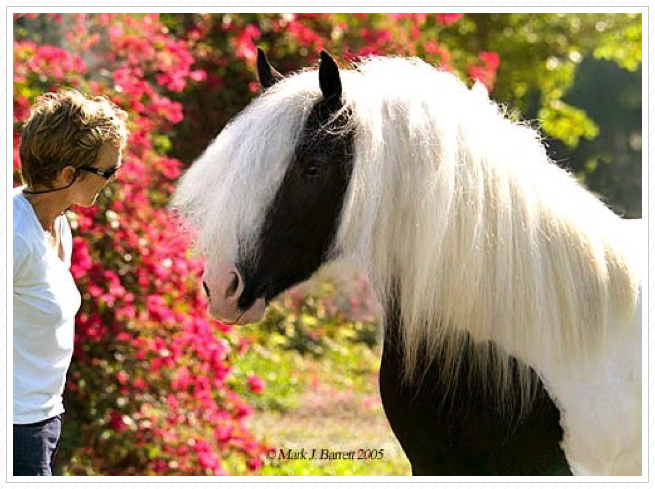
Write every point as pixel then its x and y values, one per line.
pixel 46 301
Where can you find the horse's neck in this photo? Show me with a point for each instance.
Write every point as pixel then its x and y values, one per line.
pixel 599 394
pixel 600 402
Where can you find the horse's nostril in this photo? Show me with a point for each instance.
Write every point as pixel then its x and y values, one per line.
pixel 234 285
pixel 204 286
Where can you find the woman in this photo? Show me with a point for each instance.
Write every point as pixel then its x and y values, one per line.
pixel 70 149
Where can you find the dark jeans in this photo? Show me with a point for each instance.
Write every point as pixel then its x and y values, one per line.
pixel 35 446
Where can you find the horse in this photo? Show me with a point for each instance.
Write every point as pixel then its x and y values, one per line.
pixel 511 294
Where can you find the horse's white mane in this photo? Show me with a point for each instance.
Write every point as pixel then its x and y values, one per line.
pixel 454 211
pixel 225 193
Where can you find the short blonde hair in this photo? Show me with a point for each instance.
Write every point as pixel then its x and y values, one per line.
pixel 68 129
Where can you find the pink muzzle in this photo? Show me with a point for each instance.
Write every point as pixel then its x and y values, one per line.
pixel 224 285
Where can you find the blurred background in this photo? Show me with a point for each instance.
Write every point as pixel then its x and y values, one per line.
pixel 158 388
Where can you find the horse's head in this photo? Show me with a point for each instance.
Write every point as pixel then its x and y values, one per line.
pixel 294 235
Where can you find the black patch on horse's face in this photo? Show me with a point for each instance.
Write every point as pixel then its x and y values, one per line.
pixel 301 224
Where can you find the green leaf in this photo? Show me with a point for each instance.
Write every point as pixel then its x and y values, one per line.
pixel 567 123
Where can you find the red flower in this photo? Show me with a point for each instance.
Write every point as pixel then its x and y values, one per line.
pixel 208 460
pixel 182 379
pixel 482 75
pixel 116 421
pixel 245 46
pixel 223 433
pixel 490 60
pixel 448 19
pixel 486 72
pixel 122 377
pixel 255 383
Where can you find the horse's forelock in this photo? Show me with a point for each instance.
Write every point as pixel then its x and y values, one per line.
pixel 226 191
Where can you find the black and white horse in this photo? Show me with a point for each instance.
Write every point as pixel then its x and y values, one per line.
pixel 512 295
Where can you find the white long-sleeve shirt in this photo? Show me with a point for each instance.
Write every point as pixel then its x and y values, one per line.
pixel 46 301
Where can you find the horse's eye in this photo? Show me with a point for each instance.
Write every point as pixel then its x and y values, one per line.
pixel 313 170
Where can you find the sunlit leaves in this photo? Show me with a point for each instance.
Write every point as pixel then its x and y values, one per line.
pixel 622 43
pixel 567 123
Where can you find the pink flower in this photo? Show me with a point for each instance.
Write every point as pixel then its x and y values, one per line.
pixel 245 43
pixel 304 35
pixel 116 421
pixel 122 377
pixel 243 410
pixel 448 19
pixel 485 73
pixel 432 47
pixel 198 75
pixel 223 433
pixel 95 291
pixel 244 344
pixel 490 60
pixel 208 460
pixel 255 383
pixel 254 463
pixel 181 380
pixel 172 402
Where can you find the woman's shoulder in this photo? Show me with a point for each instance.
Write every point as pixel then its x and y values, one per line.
pixel 22 217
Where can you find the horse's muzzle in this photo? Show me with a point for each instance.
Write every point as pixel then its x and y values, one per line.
pixel 224 285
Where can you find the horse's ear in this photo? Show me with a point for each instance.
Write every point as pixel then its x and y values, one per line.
pixel 268 76
pixel 328 77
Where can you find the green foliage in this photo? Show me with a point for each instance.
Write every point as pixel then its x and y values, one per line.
pixel 315 322
pixel 540 57
pixel 610 164
pixel 278 369
pixel 294 330
pixel 567 123
pixel 622 42
pixel 589 111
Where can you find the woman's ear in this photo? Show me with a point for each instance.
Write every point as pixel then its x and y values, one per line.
pixel 69 173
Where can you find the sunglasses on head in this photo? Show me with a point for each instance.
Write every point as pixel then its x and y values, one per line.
pixel 106 174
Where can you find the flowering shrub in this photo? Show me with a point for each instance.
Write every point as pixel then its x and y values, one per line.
pixel 224 46
pixel 149 380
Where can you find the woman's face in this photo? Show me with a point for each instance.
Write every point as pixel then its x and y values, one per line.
pixel 88 184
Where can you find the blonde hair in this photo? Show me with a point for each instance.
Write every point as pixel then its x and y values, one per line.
pixel 68 129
